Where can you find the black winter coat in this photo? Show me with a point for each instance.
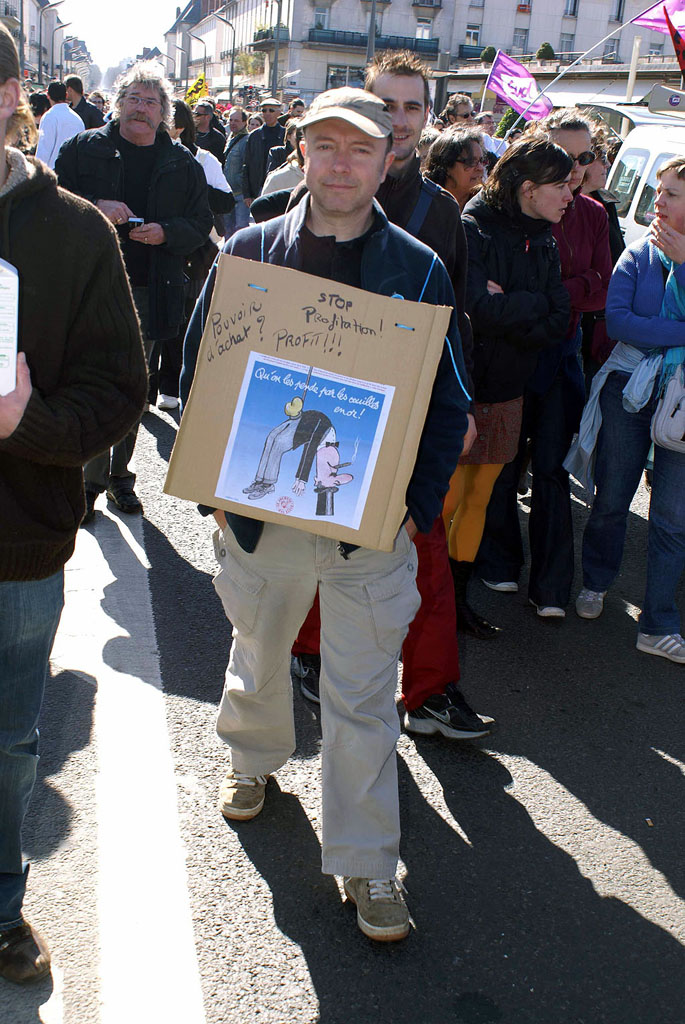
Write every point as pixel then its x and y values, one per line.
pixel 90 166
pixel 256 154
pixel 509 331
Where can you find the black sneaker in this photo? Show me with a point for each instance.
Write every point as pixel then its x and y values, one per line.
pixel 449 714
pixel 125 499
pixel 307 668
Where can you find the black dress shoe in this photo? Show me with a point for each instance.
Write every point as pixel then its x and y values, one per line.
pixel 24 957
pixel 89 514
pixel 125 500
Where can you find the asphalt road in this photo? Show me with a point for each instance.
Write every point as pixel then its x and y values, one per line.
pixel 543 864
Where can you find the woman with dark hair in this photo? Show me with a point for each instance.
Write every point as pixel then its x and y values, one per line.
pixel 456 161
pixel 553 402
pixel 518 307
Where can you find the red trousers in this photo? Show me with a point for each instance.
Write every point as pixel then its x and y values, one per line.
pixel 430 655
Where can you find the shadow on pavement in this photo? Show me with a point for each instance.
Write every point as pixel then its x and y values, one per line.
pixel 21 1004
pixel 65 726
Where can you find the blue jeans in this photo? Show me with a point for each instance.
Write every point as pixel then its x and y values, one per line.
pixel 239 217
pixel 622 449
pixel 29 614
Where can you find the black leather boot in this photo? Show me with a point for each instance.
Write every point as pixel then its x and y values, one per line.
pixel 469 621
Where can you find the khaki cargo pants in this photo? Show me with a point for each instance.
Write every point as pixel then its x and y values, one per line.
pixel 367 603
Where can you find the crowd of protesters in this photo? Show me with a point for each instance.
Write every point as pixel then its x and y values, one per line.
pixel 558 349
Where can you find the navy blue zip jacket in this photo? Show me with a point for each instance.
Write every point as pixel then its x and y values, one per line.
pixel 393 263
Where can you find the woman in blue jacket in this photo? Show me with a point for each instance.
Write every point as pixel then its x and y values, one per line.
pixel 646 311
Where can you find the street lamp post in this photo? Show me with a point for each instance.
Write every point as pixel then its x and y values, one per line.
pixel 232 28
pixel 277 36
pixel 43 11
pixel 61 50
pixel 371 38
pixel 57 28
pixel 199 39
pixel 177 47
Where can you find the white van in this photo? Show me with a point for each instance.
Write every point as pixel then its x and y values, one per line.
pixel 633 175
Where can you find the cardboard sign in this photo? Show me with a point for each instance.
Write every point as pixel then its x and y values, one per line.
pixel 308 403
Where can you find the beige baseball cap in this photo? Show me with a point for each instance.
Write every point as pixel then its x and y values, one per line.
pixel 356 106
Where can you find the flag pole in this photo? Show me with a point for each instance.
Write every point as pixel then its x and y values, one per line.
pixel 576 61
pixel 487 82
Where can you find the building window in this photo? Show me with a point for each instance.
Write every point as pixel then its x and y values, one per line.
pixel 476 3
pixel 656 50
pixel 571 9
pixel 567 42
pixel 321 17
pixel 340 74
pixel 472 37
pixel 617 10
pixel 611 50
pixel 423 28
pixel 520 44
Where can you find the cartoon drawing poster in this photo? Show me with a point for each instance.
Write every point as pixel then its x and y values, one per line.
pixel 304 441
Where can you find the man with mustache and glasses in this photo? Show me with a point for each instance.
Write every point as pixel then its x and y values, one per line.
pixel 131 168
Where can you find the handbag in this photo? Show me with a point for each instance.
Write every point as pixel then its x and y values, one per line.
pixel 668 421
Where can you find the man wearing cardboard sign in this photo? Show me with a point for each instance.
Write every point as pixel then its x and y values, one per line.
pixel 269 573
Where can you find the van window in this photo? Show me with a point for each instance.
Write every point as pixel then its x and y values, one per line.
pixel 626 176
pixel 644 213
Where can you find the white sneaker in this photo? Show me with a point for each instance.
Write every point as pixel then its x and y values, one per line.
pixel 507 587
pixel 671 646
pixel 548 611
pixel 167 402
pixel 590 603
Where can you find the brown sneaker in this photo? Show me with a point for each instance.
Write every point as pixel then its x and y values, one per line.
pixel 381 911
pixel 241 797
pixel 24 957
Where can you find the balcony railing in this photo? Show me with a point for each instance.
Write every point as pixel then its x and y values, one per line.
pixel 468 52
pixel 336 37
pixel 268 35
pixel 9 11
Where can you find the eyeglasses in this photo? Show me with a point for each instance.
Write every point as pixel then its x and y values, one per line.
pixel 269 110
pixel 470 164
pixel 470 113
pixel 588 157
pixel 141 101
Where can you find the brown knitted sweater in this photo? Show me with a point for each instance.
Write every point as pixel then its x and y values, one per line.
pixel 80 333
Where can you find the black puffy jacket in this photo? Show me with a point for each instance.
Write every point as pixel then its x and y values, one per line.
pixel 509 331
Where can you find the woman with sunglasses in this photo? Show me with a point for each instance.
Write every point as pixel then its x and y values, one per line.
pixel 457 162
pixel 518 306
pixel 553 402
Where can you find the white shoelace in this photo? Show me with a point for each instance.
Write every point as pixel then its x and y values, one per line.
pixel 248 780
pixel 385 889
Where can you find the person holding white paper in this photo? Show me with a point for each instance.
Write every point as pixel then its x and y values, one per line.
pixel 80 383
pixel 269 573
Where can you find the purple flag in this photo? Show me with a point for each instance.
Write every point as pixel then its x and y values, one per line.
pixel 655 19
pixel 512 82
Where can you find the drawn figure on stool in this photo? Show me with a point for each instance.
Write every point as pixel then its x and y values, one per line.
pixel 328 480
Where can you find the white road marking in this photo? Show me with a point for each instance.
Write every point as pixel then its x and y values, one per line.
pixel 148 961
